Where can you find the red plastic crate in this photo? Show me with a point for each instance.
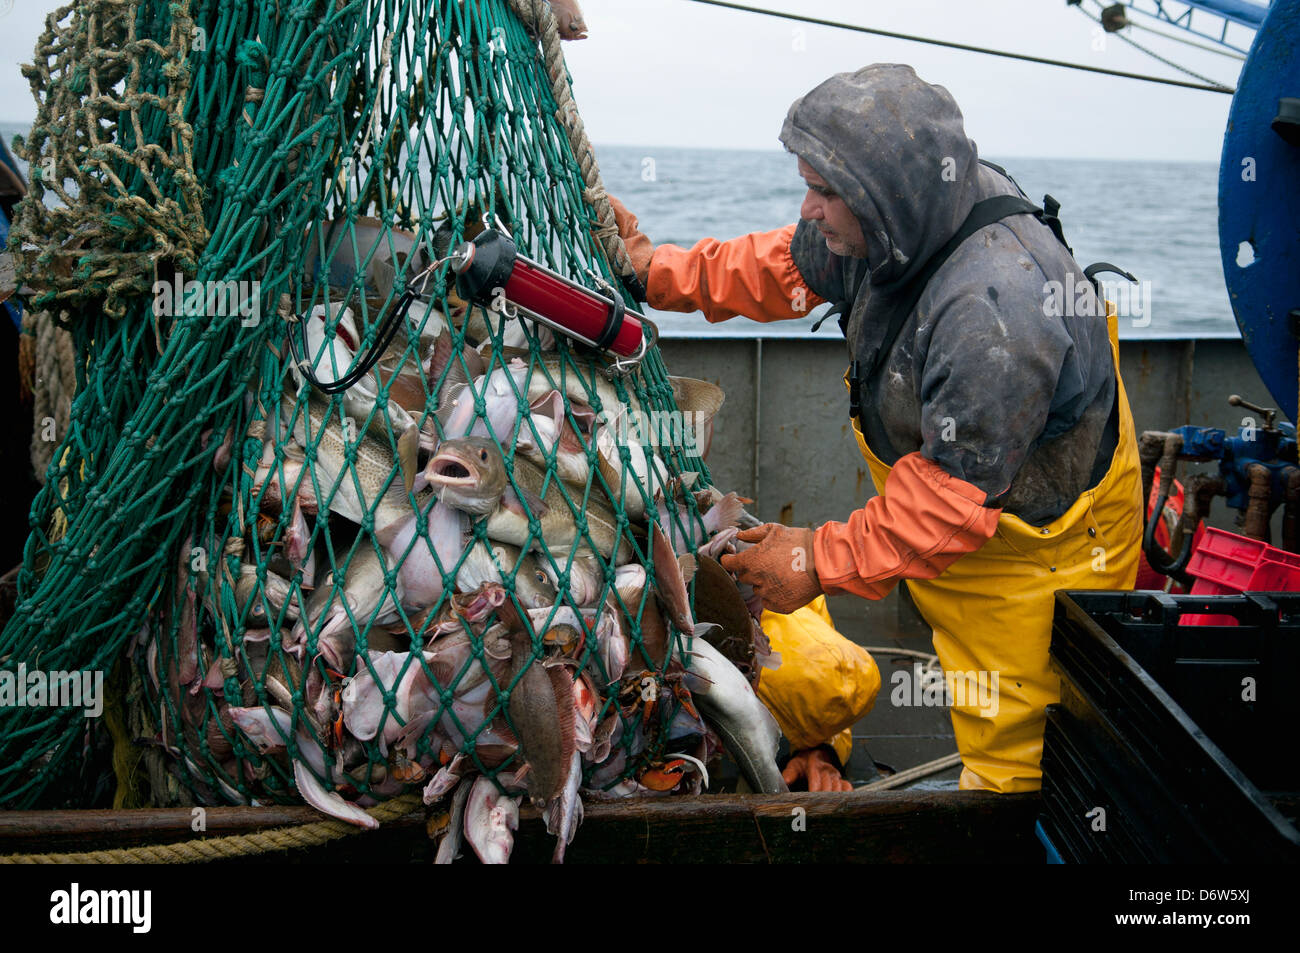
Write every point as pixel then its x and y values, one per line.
pixel 1225 563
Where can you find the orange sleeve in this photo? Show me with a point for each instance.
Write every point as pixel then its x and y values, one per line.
pixel 753 275
pixel 924 522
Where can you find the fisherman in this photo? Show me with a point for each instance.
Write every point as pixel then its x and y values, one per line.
pixel 996 429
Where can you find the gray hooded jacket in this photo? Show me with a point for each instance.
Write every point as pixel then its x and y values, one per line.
pixel 986 378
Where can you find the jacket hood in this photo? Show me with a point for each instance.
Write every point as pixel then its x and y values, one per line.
pixel 895 149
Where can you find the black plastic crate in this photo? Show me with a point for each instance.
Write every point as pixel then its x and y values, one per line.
pixel 1156 726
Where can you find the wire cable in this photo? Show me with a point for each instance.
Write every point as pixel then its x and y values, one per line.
pixel 1136 45
pixel 1211 88
pixel 1230 54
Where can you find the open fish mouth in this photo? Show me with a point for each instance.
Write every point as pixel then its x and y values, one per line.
pixel 449 470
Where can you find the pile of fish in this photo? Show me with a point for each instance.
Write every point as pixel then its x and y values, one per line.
pixel 466 573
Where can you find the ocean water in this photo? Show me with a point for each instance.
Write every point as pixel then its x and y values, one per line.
pixel 1157 220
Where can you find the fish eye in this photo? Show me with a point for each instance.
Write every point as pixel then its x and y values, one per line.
pixel 541 577
pixel 482 455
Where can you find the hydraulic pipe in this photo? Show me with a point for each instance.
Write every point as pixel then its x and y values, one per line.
pixel 1258 508
pixel 1170 446
pixel 1150 446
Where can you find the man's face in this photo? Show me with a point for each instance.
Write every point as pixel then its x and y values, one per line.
pixel 836 221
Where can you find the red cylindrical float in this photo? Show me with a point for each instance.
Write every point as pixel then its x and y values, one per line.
pixel 551 296
pixel 492 261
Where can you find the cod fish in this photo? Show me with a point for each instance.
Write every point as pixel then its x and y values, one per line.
pixel 470 474
pixel 747 729
pixel 275 597
pixel 267 480
pixel 586 578
pixel 421 560
pixel 483 564
pixel 370 484
pixel 635 483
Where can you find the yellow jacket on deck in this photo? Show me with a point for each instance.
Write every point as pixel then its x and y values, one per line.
pixel 824 684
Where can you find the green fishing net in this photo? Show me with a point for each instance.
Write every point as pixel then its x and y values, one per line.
pixel 307 163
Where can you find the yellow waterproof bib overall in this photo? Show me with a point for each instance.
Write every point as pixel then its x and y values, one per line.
pixel 991 611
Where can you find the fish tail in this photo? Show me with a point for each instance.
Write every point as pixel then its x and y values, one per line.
pixel 724 514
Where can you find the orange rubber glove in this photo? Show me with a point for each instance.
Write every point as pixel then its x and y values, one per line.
pixel 924 522
pixel 780 566
pixel 815 766
pixel 639 247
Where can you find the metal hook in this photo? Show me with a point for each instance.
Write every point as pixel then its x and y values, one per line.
pixel 623 366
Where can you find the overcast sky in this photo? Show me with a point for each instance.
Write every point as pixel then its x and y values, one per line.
pixel 678 73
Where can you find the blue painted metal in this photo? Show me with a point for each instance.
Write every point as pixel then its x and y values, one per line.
pixel 1239 11
pixel 1274 449
pixel 1053 855
pixel 1212 20
pixel 1259 205
pixel 1201 443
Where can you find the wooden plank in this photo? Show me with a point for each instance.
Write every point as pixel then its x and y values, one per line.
pixel 889 826
pixel 880 827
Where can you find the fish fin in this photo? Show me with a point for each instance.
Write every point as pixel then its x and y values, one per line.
pixel 686 562
pixel 581 412
pixel 569 441
pixel 703 630
pixel 697 396
pixel 475 363
pixel 328 802
pixel 408 448
pixel 723 514
pixel 669 581
pixel 511 501
pixel 439 358
pixel 715 547
pixel 452 839
pixel 550 404
pixel 562 685
pixel 455 381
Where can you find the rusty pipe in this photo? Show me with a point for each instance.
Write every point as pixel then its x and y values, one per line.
pixel 1199 492
pixel 1170 446
pixel 1150 445
pixel 1258 508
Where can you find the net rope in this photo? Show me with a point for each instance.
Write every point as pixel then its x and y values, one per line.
pixel 213 182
